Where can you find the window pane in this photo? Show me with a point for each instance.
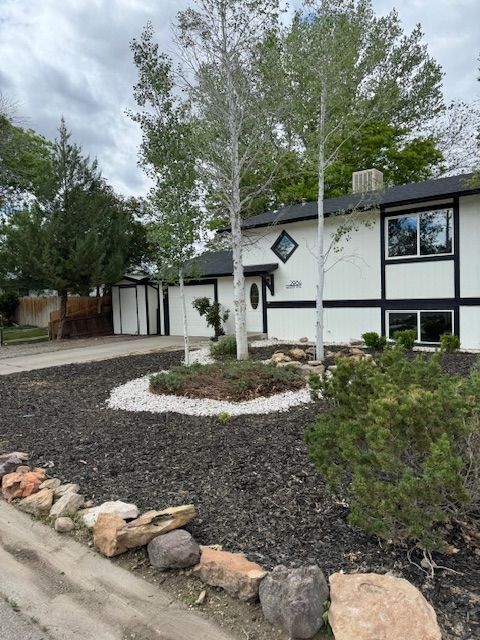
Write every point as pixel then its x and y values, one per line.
pixel 433 324
pixel 436 232
pixel 254 295
pixel 400 321
pixel 402 236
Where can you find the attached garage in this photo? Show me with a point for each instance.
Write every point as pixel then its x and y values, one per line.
pixel 197 325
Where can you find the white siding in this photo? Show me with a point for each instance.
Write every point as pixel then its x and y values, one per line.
pixel 153 308
pixel 225 298
pixel 128 310
pixel 196 324
pixel 470 327
pixel 353 272
pixel 116 309
pixel 341 324
pixel 420 280
pixel 470 247
pixel 142 310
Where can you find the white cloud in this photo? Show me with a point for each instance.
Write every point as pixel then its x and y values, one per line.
pixel 72 57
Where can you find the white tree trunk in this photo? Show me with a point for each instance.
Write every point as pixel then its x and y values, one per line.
pixel 239 305
pixel 186 341
pixel 319 323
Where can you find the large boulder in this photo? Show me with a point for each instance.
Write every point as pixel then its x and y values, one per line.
pixel 297 354
pixel 51 483
pixel 70 487
pixel 21 484
pixel 174 550
pixel 112 535
pixel 231 571
pixel 123 509
pixel 38 504
pixel 67 505
pixel 295 599
pixel 369 605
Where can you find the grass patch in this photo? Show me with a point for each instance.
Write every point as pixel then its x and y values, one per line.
pixel 24 334
pixel 234 381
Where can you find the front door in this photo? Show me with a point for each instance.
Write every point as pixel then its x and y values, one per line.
pixel 253 296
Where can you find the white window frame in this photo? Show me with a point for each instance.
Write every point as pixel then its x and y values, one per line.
pixel 418 214
pixel 418 312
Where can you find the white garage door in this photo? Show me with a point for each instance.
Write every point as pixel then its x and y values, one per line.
pixel 196 324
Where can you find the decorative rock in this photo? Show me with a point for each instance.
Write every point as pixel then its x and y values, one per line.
pixel 356 343
pixel 304 339
pixel 51 483
pixel 21 485
pixel 174 550
pixel 290 363
pixel 231 571
pixel 65 488
pixel 123 509
pixel 38 504
pixel 64 525
pixel 294 599
pixel 112 535
pixel 68 505
pixel 280 357
pixel 105 534
pixel 9 464
pixel 366 606
pixel 21 455
pixel 297 354
pixel 23 468
pixel 201 597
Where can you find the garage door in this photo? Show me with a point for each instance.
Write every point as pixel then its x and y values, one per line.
pixel 196 324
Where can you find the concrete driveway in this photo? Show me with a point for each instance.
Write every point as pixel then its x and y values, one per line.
pixel 112 347
pixel 62 590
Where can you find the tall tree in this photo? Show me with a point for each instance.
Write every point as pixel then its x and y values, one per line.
pixel 219 44
pixel 168 155
pixel 344 68
pixel 73 238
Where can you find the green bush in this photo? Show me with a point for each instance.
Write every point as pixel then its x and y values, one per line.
pixel 212 313
pixel 449 343
pixel 398 443
pixel 374 341
pixel 8 304
pixel 406 338
pixel 226 346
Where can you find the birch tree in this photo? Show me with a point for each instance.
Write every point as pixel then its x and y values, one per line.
pixel 167 154
pixel 218 44
pixel 342 68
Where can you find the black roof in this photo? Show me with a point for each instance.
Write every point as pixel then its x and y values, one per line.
pixel 220 263
pixel 401 194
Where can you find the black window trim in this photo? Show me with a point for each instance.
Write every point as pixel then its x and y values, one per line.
pixel 418 257
pixel 284 234
pixel 254 284
pixel 418 312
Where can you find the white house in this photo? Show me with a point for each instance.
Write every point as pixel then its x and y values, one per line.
pixel 414 262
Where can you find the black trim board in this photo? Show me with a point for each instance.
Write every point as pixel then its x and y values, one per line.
pixel 264 307
pixel 390 304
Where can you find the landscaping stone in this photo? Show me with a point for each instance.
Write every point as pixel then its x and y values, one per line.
pixel 38 504
pixel 112 535
pixel 174 550
pixel 366 606
pixel 51 483
pixel 105 534
pixel 123 509
pixel 303 339
pixel 23 468
pixel 297 354
pixel 64 525
pixel 9 464
pixel 67 505
pixel 231 571
pixel 280 357
pixel 65 488
pixel 294 599
pixel 290 363
pixel 21 485
pixel 21 455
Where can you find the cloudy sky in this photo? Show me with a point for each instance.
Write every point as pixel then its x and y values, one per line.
pixel 72 57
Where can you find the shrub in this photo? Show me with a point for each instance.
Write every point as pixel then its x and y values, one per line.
pixel 406 338
pixel 8 304
pixel 212 313
pixel 231 380
pixel 224 417
pixel 226 346
pixel 374 341
pixel 449 343
pixel 398 444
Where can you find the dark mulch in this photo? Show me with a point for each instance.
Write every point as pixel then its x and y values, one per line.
pixel 232 381
pixel 250 479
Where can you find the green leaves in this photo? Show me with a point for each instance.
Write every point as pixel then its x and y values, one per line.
pixel 398 443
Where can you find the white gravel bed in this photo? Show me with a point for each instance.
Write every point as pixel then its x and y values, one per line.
pixel 136 396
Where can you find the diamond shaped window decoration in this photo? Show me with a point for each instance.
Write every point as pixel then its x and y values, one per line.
pixel 284 246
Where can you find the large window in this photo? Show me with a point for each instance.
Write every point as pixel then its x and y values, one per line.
pixel 426 233
pixel 428 325
pixel 284 246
